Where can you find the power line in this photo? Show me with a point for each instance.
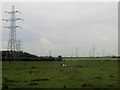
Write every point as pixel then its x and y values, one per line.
pixel 35 27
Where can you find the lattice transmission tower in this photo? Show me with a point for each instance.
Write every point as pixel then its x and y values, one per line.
pixel 93 51
pixel 12 43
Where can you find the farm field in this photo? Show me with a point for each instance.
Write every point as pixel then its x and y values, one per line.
pixel 88 58
pixel 50 74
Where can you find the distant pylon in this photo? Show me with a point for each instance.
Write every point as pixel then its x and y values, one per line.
pixel 103 52
pixel 18 49
pixel 12 43
pixel 93 51
pixel 19 45
pixel 89 53
pixel 72 54
pixel 76 51
pixel 50 52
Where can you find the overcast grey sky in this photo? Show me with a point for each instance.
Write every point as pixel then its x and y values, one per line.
pixel 61 27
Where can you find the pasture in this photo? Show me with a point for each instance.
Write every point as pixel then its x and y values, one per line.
pixel 88 58
pixel 50 74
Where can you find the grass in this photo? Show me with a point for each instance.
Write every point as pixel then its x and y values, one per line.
pixel 50 74
pixel 0 74
pixel 88 58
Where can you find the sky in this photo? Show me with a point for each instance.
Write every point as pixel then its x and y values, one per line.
pixel 63 27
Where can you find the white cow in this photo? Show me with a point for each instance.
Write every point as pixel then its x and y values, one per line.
pixel 64 65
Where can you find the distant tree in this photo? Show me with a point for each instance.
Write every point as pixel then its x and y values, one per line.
pixel 59 58
pixel 25 56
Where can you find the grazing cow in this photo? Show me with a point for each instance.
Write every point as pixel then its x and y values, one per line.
pixel 64 65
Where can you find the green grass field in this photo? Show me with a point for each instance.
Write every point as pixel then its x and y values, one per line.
pixel 50 74
pixel 89 58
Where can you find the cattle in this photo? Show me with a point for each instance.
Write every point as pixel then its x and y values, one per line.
pixel 64 65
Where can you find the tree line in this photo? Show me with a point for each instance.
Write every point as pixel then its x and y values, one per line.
pixel 25 56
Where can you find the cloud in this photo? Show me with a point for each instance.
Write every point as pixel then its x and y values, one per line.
pixel 45 41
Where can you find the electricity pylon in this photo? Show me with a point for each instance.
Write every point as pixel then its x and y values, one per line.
pixel 93 51
pixel 19 49
pixel 50 53
pixel 12 43
pixel 19 45
pixel 76 52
